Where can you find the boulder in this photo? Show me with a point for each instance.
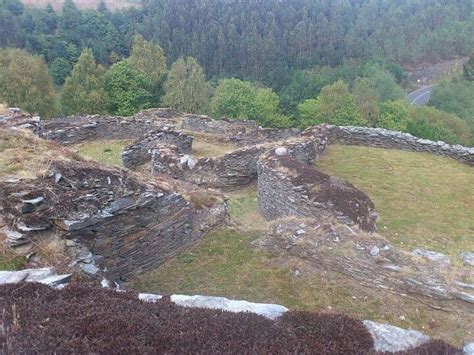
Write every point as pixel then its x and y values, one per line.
pixel 391 339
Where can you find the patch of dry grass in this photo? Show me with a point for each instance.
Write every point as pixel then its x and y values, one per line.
pixel 210 145
pixel 423 201
pixel 105 151
pixel 22 154
pixel 244 210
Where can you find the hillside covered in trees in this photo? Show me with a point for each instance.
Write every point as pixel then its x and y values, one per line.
pixel 282 63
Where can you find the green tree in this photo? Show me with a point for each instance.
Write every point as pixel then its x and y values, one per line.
pixel 25 82
pixel 335 105
pixel 267 109
pixel 394 115
pixel 367 98
pixel 386 85
pixel 127 87
pixel 468 68
pixel 186 88
pixel 84 90
pixel 433 124
pixel 234 98
pixel 151 60
pixel 60 68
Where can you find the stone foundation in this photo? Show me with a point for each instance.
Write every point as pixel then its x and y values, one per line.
pixel 235 169
pixel 289 188
pixel 139 152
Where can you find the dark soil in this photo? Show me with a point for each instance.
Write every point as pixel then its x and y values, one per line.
pixel 84 319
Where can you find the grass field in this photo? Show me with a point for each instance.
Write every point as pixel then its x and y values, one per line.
pixel 423 200
pixel 107 152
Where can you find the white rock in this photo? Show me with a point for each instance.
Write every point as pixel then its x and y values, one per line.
pixel 281 151
pixel 374 251
pixel 468 258
pixel 271 311
pixel 389 338
pixel 432 256
pixel 149 297
pixel 191 162
pixel 469 349
pixel 25 275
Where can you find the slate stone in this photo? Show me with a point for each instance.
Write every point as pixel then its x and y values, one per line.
pixel 391 339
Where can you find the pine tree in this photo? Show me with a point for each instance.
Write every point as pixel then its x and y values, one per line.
pixel 25 82
pixel 186 88
pixel 84 90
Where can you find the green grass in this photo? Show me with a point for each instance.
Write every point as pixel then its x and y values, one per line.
pixel 423 201
pixel 10 263
pixel 106 152
pixel 244 210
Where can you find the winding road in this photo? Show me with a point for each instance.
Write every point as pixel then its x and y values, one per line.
pixel 420 97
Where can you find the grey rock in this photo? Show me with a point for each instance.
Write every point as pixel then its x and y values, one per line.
pixel 389 338
pixel 149 297
pixel 432 256
pixel 90 269
pixel 46 276
pixel 468 258
pixel 374 251
pixel 280 151
pixel 271 311
pixel 469 349
pixel 34 201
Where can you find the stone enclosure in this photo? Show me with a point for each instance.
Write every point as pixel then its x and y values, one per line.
pixel 134 222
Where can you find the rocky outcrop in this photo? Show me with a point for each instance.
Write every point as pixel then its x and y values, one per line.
pixel 382 138
pixel 77 129
pixel 130 224
pixel 289 188
pixel 139 152
pixel 325 244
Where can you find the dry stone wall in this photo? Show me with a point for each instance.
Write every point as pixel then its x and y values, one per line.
pixel 238 168
pixel 130 224
pixel 239 132
pixel 382 138
pixel 290 188
pixel 139 152
pixel 77 129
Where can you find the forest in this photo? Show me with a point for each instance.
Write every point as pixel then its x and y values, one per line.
pixel 280 62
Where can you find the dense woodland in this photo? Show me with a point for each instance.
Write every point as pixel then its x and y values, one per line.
pixel 281 62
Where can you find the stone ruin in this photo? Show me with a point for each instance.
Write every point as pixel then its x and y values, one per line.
pixel 135 223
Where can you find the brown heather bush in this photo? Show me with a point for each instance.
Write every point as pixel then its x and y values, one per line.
pixel 83 319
